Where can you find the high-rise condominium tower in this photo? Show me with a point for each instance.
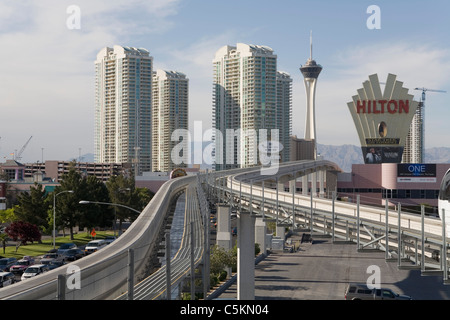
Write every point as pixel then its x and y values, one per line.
pixel 311 71
pixel 169 113
pixel 123 99
pixel 413 152
pixel 245 101
pixel 284 113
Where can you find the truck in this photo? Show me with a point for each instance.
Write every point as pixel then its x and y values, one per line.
pixel 358 291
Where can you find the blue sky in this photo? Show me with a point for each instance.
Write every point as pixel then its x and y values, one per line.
pixel 47 70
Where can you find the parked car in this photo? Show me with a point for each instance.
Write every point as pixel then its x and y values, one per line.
pixel 34 270
pixel 6 263
pixel 6 279
pixel 66 246
pixel 110 239
pixel 94 246
pixel 56 264
pixel 73 254
pixel 49 257
pixel 357 291
pixel 22 265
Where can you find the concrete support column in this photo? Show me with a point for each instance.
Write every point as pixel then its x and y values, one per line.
pixel 246 257
pixel 223 237
pixel 314 184
pixel 305 185
pixel 292 186
pixel 260 234
pixel 281 186
pixel 322 183
pixel 280 230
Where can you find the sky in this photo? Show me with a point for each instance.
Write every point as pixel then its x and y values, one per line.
pixel 48 49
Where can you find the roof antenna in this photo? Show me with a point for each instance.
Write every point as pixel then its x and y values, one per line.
pixel 310 50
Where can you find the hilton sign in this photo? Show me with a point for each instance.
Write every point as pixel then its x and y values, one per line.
pixel 382 106
pixel 383 119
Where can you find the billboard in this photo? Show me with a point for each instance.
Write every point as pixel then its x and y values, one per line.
pixel 376 154
pixel 415 172
pixel 382 119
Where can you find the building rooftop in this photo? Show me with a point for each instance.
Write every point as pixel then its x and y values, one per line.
pixel 12 163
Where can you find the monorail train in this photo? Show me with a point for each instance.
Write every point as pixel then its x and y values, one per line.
pixel 444 201
pixel 178 172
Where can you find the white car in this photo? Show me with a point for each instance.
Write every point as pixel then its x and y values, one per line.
pixel 6 279
pixel 94 246
pixel 34 270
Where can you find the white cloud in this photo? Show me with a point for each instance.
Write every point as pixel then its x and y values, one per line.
pixel 416 65
pixel 47 71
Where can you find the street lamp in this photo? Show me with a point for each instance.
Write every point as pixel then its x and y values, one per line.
pixel 54 213
pixel 109 204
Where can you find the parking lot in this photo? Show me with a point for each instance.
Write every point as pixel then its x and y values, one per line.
pixel 55 258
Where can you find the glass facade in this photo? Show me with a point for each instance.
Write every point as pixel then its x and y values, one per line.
pixel 123 107
pixel 245 100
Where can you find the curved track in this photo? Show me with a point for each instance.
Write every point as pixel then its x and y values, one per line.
pixel 154 286
pixel 104 274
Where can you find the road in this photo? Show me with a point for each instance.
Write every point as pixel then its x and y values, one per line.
pixel 321 270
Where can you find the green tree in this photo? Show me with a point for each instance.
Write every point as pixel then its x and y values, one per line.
pixel 95 214
pixel 122 191
pixel 33 206
pixel 221 259
pixel 70 213
pixel 8 215
pixel 68 210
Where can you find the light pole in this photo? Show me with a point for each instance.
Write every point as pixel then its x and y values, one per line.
pixel 108 204
pixel 54 213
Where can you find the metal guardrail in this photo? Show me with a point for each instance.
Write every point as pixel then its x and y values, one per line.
pixel 407 236
pixel 104 274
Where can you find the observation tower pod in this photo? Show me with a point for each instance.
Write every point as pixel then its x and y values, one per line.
pixel 310 72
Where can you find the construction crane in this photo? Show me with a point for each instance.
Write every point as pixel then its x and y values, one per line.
pixel 424 90
pixel 422 111
pixel 18 156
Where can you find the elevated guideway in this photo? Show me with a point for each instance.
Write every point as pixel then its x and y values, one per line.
pixel 403 236
pixel 105 274
pixel 188 256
